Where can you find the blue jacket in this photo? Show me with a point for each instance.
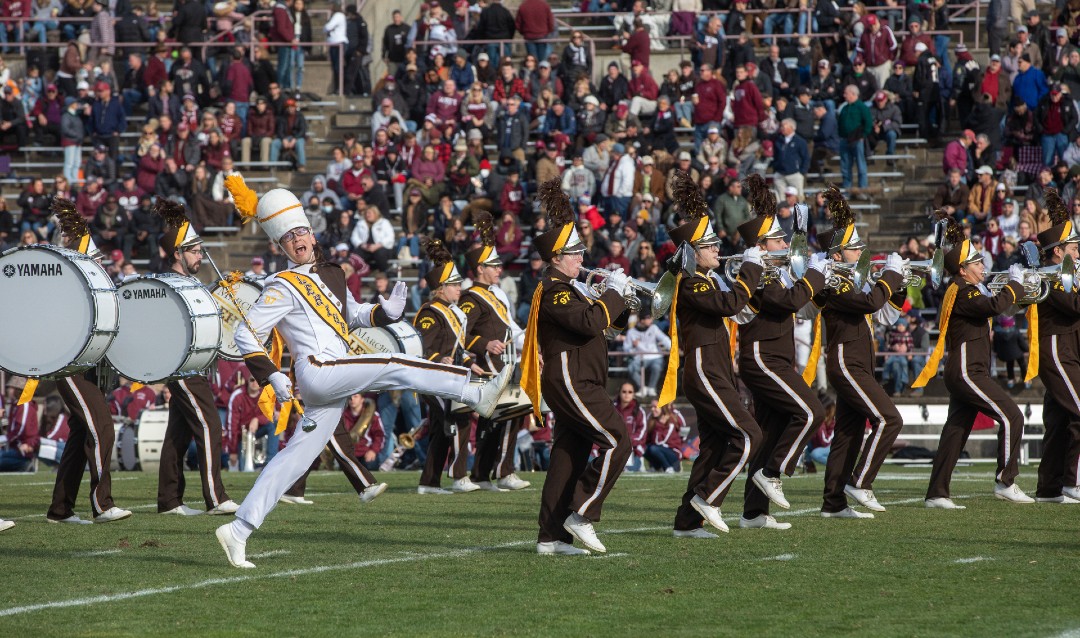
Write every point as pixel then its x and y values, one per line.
pixel 791 157
pixel 462 77
pixel 107 119
pixel 828 134
pixel 567 123
pixel 1030 86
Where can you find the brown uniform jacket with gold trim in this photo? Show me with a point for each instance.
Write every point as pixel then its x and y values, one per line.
pixel 569 322
pixel 774 322
pixel 844 310
pixel 440 339
pixel 969 324
pixel 702 307
pixel 1059 313
pixel 333 276
pixel 485 325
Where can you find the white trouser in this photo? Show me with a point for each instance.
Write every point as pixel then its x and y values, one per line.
pixel 325 389
pixel 642 106
pixel 781 182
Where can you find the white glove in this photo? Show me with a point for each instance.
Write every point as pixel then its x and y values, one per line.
pixel 894 263
pixel 618 281
pixel 1016 273
pixel 282 386
pixel 754 255
pixel 395 305
pixel 821 263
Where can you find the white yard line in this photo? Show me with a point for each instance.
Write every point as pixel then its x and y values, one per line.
pixel 782 557
pixel 273 552
pixel 53 482
pixel 973 559
pixel 103 552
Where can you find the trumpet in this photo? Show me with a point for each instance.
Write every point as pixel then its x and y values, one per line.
pixel 917 272
pixel 1037 281
pixel 857 272
pixel 406 442
pixel 660 294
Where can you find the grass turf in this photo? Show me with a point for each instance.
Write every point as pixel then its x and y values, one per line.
pixel 466 565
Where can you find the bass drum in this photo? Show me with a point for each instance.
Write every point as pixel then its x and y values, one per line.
pixel 170 328
pixel 247 293
pixel 397 338
pixel 61 312
pixel 127 447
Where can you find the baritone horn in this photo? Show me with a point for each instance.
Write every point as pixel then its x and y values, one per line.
pixel 858 272
pixel 917 272
pixel 660 294
pixel 1037 281
pixel 793 258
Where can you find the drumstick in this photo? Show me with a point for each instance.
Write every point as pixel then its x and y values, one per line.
pixel 307 424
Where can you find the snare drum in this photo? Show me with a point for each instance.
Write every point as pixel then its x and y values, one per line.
pixel 170 328
pixel 246 293
pixel 399 338
pixel 61 311
pixel 49 451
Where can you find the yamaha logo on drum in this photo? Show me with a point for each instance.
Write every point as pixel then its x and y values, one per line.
pixel 33 270
pixel 145 293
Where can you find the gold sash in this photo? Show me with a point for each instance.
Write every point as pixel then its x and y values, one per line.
pixel 454 323
pixel 322 306
pixel 494 302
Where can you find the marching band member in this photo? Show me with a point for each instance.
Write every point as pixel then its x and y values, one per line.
pixel 313 312
pixel 91 437
pixel 728 434
pixel 786 408
pixel 193 413
pixel 849 337
pixel 491 320
pixel 963 323
pixel 1056 356
pixel 443 326
pixel 567 326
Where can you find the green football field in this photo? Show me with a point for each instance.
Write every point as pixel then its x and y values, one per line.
pixel 465 564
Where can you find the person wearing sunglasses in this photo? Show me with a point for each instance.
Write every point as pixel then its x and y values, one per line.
pixel 312 312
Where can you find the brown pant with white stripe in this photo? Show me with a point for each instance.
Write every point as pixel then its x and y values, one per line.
pixel 788 412
pixel 967 398
pixel 574 484
pixel 859 398
pixel 1059 370
pixel 495 443
pixel 341 445
pixel 90 444
pixel 192 415
pixel 443 443
pixel 727 433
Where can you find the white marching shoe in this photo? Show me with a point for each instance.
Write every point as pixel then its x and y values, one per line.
pixel 762 521
pixel 561 548
pixel 1056 499
pixel 943 503
pixel 491 391
pixel 865 498
pixel 489 486
pixel 228 507
pixel 112 514
pixel 772 487
pixel 464 485
pixel 581 528
pixel 6 524
pixel 427 489
pixel 512 482
pixel 1011 493
pixel 371 492
pixel 183 510
pixel 710 513
pixel 70 520
pixel 700 532
pixel 1071 492
pixel 847 512
pixel 295 500
pixel 235 550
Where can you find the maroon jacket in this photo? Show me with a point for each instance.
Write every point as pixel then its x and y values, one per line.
pixel 445 107
pixel 535 20
pixel 712 97
pixel 242 409
pixel 746 104
pixel 23 427
pixel 644 86
pixel 634 416
pixel 155 72
pixel 877 48
pixel 225 377
pixel 637 46
pixel 374 438
pixel 124 402
pixel 56 430
pixel 667 434
pixel 283 29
